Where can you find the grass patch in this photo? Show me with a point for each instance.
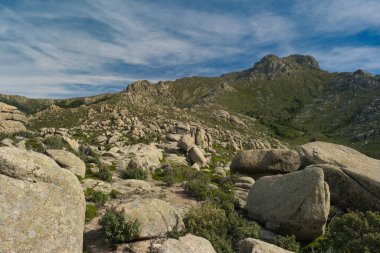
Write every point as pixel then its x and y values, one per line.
pixel 138 173
pixel 91 212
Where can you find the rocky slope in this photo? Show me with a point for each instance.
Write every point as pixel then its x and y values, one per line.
pixel 211 162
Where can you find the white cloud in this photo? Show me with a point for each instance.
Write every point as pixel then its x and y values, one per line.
pixel 349 58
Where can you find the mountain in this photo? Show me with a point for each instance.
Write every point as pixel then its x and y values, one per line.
pixel 290 99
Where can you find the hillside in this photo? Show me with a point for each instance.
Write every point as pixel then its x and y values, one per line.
pixel 288 98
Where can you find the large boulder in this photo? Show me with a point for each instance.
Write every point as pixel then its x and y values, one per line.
pixel 42 205
pixel 187 244
pixel 250 245
pixel 146 156
pixel 272 161
pixel 68 161
pixel 155 217
pixel 355 168
pixel 11 119
pixel 297 203
pixel 346 192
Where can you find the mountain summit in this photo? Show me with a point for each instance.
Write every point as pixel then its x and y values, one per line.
pixel 271 66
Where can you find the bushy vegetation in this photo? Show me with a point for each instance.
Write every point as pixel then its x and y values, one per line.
pixel 287 242
pixel 224 230
pixel 55 142
pixel 116 229
pixel 91 212
pixel 97 197
pixel 137 173
pixel 35 145
pixel 355 232
pixel 171 174
pixel 106 173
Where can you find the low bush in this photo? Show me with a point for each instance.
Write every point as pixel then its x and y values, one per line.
pixel 105 173
pixel 116 229
pixel 114 194
pixel 35 145
pixel 91 212
pixel 172 174
pixel 223 230
pixel 96 197
pixel 287 242
pixel 134 174
pixel 355 232
pixel 55 142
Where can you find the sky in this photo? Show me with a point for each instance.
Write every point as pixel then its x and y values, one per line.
pixel 71 48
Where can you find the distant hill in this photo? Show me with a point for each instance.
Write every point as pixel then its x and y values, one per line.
pixel 288 98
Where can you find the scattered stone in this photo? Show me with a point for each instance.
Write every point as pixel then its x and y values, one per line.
pixel 197 156
pixel 186 143
pixel 297 203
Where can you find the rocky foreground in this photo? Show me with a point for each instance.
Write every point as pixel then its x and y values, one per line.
pixel 286 191
pixel 225 164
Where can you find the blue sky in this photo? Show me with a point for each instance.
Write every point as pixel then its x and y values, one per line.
pixel 55 48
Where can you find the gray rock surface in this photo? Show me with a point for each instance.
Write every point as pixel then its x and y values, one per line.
pixel 68 161
pixel 187 244
pixel 297 203
pixel 360 169
pixel 155 217
pixel 11 119
pixel 42 205
pixel 197 156
pixel 346 192
pixel 186 142
pixel 266 161
pixel 250 245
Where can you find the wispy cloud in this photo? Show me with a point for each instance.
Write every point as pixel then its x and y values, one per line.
pixel 50 48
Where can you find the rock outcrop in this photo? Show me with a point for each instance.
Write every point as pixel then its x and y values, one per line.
pixel 250 245
pixel 155 217
pixel 297 203
pixel 358 172
pixel 11 119
pixel 68 161
pixel 272 161
pixel 187 244
pixel 42 205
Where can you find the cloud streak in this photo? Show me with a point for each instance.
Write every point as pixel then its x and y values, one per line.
pixel 50 48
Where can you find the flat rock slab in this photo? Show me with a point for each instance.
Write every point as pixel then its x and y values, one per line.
pixel 68 161
pixel 155 217
pixel 42 205
pixel 187 244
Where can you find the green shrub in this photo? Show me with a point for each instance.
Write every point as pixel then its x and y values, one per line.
pixel 134 174
pixel 97 197
pixel 287 242
pixel 116 229
pixel 174 174
pixel 55 142
pixel 355 232
pixel 222 194
pixel 35 145
pixel 91 212
pixel 223 230
pixel 105 173
pixel 114 194
pixel 318 245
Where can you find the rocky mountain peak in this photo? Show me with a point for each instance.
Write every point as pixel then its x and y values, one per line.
pixel 139 86
pixel 271 66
